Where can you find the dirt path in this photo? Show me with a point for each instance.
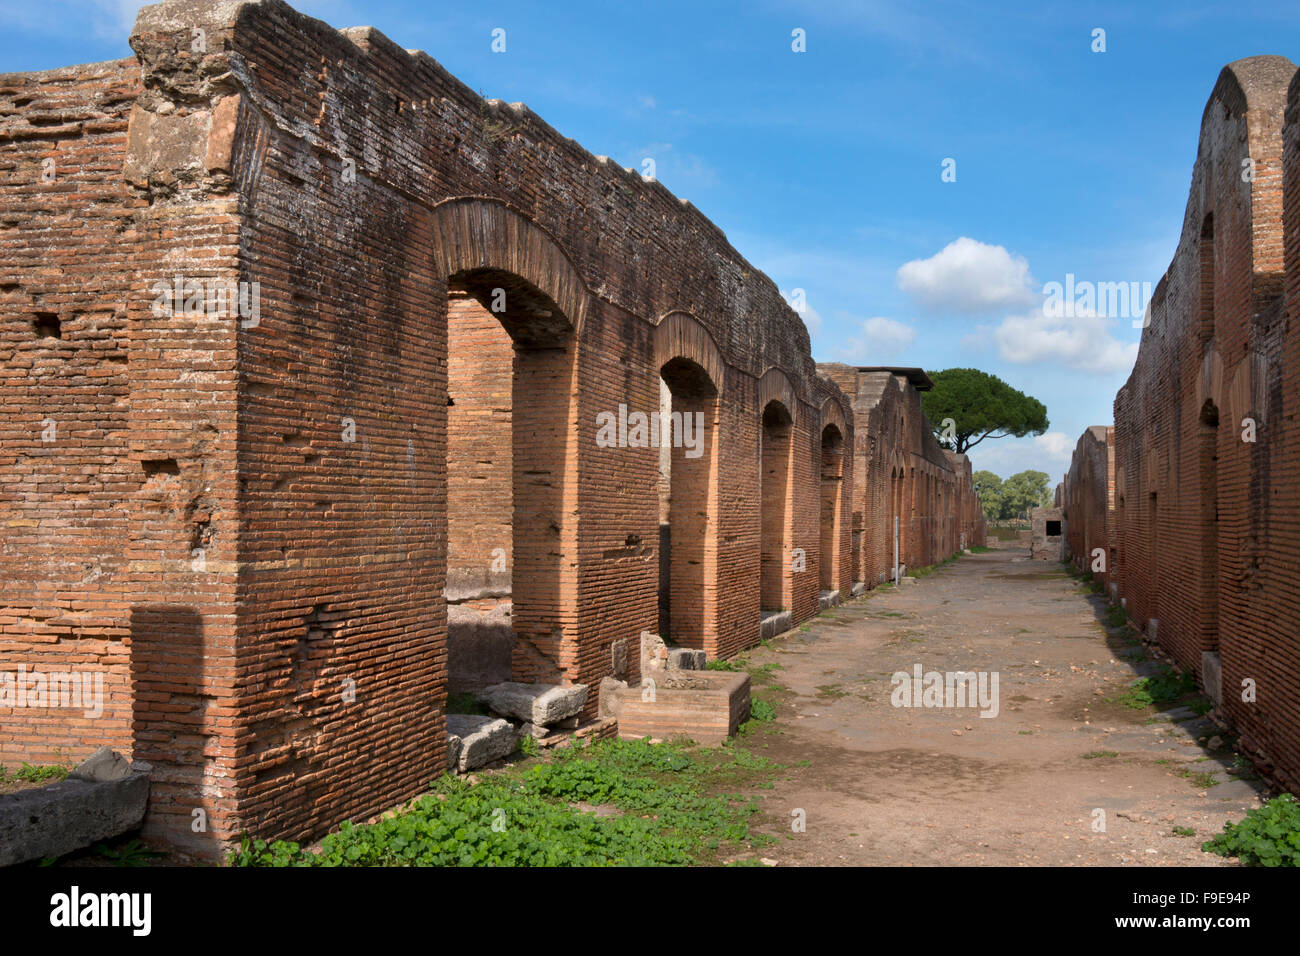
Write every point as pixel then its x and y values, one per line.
pixel 935 785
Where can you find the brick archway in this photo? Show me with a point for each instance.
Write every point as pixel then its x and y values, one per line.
pixel 478 236
pixel 515 309
pixel 832 484
pixel 691 375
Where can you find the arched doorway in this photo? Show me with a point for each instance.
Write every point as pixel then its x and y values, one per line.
pixel 777 448
pixel 514 311
pixel 687 523
pixel 832 485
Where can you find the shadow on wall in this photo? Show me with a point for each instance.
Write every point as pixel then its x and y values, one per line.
pixel 172 698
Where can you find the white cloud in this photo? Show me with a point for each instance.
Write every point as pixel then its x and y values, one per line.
pixel 812 320
pixel 968 277
pixel 978 340
pixel 1005 457
pixel 880 339
pixel 1082 341
pixel 1057 446
pixel 886 335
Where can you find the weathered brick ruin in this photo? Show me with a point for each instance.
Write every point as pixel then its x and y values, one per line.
pixel 1090 504
pixel 330 386
pixel 902 471
pixel 1196 500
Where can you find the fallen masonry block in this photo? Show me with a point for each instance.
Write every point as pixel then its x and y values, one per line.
pixel 858 589
pixel 538 704
pixel 658 655
pixel 592 730
pixel 479 740
pixel 103 766
pixel 827 600
pixel 654 652
pixel 104 797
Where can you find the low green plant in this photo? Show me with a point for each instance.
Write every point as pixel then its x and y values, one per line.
pixel 34 773
pixel 132 853
pixel 1267 836
pixel 765 673
pixel 761 714
pixel 463 702
pixel 931 568
pixel 1164 687
pixel 525 816
pixel 1095 754
pixel 761 710
pixel 1184 831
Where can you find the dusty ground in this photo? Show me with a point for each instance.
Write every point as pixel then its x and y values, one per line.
pixel 880 784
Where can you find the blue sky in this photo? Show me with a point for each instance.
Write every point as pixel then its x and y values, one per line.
pixel 824 167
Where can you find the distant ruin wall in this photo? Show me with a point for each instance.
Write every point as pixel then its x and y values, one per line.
pixel 903 472
pixel 1089 505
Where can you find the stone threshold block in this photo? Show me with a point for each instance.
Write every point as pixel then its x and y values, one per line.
pixel 775 622
pixel 827 600
pixel 104 797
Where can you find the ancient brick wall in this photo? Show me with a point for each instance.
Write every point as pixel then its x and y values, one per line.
pixel 1204 535
pixel 901 470
pixel 1269 651
pixel 964 504
pixel 441 397
pixel 1089 504
pixel 251 515
pixel 66 484
pixel 119 543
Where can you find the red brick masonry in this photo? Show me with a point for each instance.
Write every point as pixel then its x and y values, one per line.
pixel 1195 493
pixel 303 343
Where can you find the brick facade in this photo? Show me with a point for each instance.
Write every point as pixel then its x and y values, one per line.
pixel 1089 504
pixel 903 472
pixel 1207 549
pixel 283 527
